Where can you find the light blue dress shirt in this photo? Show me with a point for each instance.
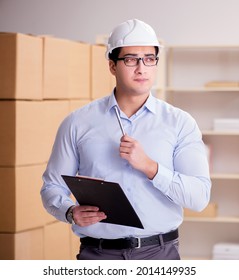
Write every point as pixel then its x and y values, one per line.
pixel 87 143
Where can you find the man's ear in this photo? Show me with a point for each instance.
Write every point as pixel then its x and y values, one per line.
pixel 112 67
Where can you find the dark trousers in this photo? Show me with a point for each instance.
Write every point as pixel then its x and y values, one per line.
pixel 166 251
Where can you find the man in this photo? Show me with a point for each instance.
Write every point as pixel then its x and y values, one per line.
pixel 160 162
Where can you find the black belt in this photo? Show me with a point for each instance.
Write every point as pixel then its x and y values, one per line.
pixel 131 242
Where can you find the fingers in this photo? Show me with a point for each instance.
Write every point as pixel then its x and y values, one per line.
pixel 87 215
pixel 126 138
pixel 128 146
pixel 133 152
pixel 127 143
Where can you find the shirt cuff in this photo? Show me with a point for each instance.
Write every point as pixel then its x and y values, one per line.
pixel 65 207
pixel 163 179
pixel 59 211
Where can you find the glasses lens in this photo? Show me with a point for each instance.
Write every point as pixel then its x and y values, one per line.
pixel 131 61
pixel 150 61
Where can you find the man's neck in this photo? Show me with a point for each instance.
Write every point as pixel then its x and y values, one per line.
pixel 130 104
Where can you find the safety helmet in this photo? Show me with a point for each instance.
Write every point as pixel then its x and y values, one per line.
pixel 132 32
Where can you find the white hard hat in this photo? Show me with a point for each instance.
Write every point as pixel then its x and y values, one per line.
pixel 132 32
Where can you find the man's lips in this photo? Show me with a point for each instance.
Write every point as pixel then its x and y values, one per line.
pixel 140 80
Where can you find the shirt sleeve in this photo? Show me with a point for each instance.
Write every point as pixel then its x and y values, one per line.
pixel 188 184
pixel 63 161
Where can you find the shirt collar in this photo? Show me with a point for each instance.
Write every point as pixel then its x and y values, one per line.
pixel 111 102
pixel 150 103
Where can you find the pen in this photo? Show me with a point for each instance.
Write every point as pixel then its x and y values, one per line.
pixel 119 120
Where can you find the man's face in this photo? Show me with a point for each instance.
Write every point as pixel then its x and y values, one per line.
pixel 138 79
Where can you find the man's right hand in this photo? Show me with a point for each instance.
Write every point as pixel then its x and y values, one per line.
pixel 85 215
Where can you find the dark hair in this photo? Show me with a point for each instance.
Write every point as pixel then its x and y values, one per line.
pixel 115 53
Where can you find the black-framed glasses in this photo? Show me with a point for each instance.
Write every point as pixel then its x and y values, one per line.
pixel 134 61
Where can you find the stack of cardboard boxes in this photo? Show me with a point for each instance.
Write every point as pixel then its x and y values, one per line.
pixel 42 79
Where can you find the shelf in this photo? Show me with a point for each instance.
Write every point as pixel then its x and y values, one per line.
pixel 187 258
pixel 202 89
pixel 203 81
pixel 225 176
pixel 202 47
pixel 220 133
pixel 212 220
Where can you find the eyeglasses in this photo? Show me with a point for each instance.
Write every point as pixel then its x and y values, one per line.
pixel 134 61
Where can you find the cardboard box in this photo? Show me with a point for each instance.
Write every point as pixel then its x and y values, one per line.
pixel 26 245
pixel 66 69
pixel 20 200
pixel 28 130
pixel 101 78
pixel 79 70
pixel 76 104
pixel 20 66
pixel 57 241
pixel 54 113
pixel 209 212
pixel 55 68
pixel 75 245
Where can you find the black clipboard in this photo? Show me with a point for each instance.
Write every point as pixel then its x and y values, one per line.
pixel 108 196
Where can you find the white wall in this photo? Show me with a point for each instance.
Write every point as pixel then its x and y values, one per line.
pixel 176 21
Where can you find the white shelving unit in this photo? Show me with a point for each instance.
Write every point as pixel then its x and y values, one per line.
pixel 188 70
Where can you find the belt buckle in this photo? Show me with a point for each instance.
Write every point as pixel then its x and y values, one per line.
pixel 139 243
